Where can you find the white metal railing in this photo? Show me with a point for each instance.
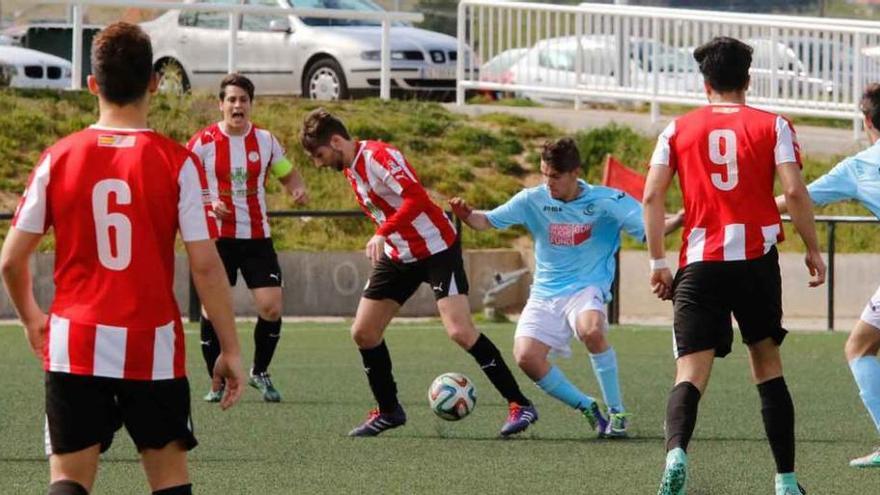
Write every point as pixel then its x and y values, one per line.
pixel 805 66
pixel 235 12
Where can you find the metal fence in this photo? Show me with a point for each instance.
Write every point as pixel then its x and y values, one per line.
pixel 235 11
pixel 614 305
pixel 600 52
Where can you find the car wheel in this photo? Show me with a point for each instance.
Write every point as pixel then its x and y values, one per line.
pixel 172 78
pixel 325 81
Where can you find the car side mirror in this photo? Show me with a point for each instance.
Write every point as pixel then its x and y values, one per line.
pixel 280 26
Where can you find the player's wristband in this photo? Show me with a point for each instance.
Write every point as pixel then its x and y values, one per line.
pixel 658 264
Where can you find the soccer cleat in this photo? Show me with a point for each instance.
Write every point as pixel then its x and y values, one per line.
pixel 786 484
pixel 617 423
pixel 263 383
pixel 871 460
pixel 598 423
pixel 214 395
pixel 675 475
pixel 518 419
pixel 377 422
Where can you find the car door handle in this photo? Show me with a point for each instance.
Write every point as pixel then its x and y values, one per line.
pixel 182 39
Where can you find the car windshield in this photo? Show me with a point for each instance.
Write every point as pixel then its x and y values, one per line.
pixel 359 5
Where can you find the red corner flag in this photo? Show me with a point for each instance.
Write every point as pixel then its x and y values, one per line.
pixel 619 176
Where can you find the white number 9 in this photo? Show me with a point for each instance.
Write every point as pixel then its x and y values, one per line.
pixel 728 158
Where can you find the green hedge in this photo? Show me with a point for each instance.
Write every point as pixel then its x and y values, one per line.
pixel 486 159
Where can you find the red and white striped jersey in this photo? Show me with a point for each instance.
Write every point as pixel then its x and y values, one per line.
pixel 390 193
pixel 237 168
pixel 726 158
pixel 116 199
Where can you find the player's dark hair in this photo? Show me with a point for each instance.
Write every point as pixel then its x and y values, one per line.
pixel 725 63
pixel 870 104
pixel 318 127
pixel 561 155
pixel 122 62
pixel 239 81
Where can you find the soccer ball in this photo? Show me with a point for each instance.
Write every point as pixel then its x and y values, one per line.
pixel 452 396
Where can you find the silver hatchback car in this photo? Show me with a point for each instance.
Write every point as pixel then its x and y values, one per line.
pixel 318 58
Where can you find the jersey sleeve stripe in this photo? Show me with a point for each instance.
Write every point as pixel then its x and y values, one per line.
pixel 32 210
pixel 194 212
pixel 786 143
pixel 663 151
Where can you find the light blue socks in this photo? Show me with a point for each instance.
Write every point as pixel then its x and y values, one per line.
pixel 866 371
pixel 605 368
pixel 557 385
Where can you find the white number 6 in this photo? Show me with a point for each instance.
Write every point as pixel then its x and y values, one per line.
pixel 728 158
pixel 120 223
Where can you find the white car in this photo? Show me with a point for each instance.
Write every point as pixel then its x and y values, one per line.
pixel 319 58
pixel 26 68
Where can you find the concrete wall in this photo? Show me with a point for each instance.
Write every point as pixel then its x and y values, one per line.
pixel 857 277
pixel 330 283
pixel 321 284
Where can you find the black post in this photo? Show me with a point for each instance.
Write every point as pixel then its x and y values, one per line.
pixel 614 305
pixel 830 275
pixel 195 305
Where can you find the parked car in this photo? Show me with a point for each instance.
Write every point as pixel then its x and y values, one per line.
pixel 26 68
pixel 325 59
pixel 551 63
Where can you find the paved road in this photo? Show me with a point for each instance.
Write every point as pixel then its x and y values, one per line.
pixel 815 141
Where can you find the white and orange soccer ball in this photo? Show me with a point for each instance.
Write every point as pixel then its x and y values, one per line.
pixel 452 396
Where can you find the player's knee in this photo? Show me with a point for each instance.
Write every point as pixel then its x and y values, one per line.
pixel 271 312
pixel 594 338
pixel 463 335
pixel 525 359
pixel 67 487
pixel 363 337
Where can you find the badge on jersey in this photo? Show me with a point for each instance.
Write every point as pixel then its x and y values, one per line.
pixel 116 141
pixel 253 156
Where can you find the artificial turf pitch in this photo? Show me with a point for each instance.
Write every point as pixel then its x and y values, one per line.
pixel 300 446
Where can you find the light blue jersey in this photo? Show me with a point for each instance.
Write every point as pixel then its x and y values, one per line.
pixel 857 177
pixel 575 241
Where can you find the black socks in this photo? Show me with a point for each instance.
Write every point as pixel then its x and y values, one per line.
pixel 777 409
pixel 266 336
pixel 493 365
pixel 681 415
pixel 210 344
pixel 377 366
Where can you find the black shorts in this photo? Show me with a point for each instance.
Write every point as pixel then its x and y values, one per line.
pixel 82 411
pixel 706 293
pixel 256 258
pixel 398 281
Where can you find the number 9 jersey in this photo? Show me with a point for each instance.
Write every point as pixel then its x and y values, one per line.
pixel 726 156
pixel 116 199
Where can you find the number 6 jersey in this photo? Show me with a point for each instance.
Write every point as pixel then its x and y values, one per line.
pixel 116 199
pixel 726 156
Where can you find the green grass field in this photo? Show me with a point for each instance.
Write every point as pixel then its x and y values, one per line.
pixel 300 447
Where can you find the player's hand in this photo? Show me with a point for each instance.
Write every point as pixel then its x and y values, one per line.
pixel 300 195
pixel 816 266
pixel 375 248
pixel 460 208
pixel 229 375
pixel 35 331
pixel 221 210
pixel 661 283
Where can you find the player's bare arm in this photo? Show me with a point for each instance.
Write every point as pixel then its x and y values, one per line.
pixel 656 226
pixel 800 207
pixel 14 263
pixel 295 185
pixel 209 278
pixel 476 220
